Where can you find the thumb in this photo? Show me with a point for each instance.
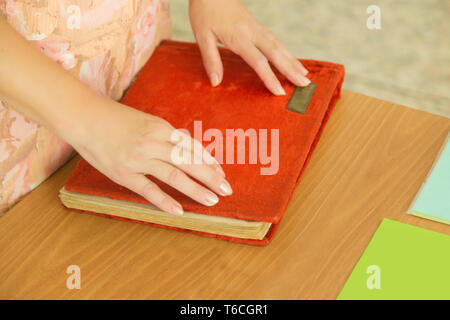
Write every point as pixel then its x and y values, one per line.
pixel 211 58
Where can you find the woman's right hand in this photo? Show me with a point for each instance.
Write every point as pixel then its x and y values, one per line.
pixel 128 144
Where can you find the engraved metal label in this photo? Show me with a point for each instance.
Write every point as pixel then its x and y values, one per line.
pixel 300 98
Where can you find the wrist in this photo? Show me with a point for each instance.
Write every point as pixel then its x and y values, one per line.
pixel 78 117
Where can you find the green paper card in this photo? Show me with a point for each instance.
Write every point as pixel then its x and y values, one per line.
pixel 401 262
pixel 433 200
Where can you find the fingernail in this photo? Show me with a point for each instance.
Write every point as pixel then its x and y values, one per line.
pixel 302 68
pixel 305 72
pixel 225 188
pixel 177 209
pixel 211 199
pixel 304 81
pixel 214 78
pixel 279 91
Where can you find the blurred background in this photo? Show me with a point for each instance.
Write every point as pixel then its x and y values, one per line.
pixel 406 62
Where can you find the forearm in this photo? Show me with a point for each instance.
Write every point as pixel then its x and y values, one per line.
pixel 39 88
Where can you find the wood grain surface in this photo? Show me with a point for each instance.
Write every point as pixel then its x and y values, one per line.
pixel 370 162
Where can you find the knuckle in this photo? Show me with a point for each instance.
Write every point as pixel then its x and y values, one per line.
pixel 135 156
pixel 152 129
pixel 144 146
pixel 143 126
pixel 165 201
pixel 266 33
pixel 167 129
pixel 271 38
pixel 233 43
pixel 174 176
pixel 271 42
pixel 274 45
pixel 241 34
pixel 212 177
pixel 242 30
pixel 261 63
pixel 120 173
pixel 275 53
pixel 198 190
pixel 149 190
pixel 201 37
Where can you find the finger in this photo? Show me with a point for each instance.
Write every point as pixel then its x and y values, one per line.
pixel 258 62
pixel 183 139
pixel 156 130
pixel 267 37
pixel 184 160
pixel 180 181
pixel 212 178
pixel 286 64
pixel 208 176
pixel 295 62
pixel 179 137
pixel 211 57
pixel 151 192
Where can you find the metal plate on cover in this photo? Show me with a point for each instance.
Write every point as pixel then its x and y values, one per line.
pixel 300 98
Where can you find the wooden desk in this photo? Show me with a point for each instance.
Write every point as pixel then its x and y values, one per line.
pixel 370 162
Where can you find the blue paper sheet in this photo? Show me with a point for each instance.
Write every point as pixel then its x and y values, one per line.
pixel 433 200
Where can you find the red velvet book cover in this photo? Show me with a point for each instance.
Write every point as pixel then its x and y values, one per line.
pixel 173 85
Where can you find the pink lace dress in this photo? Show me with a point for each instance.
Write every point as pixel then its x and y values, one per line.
pixel 103 42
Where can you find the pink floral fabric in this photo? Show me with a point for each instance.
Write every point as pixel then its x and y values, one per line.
pixel 103 42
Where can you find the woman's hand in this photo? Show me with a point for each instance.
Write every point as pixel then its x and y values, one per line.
pixel 121 142
pixel 230 22
pixel 128 144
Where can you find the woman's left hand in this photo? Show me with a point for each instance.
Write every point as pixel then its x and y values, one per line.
pixel 231 23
